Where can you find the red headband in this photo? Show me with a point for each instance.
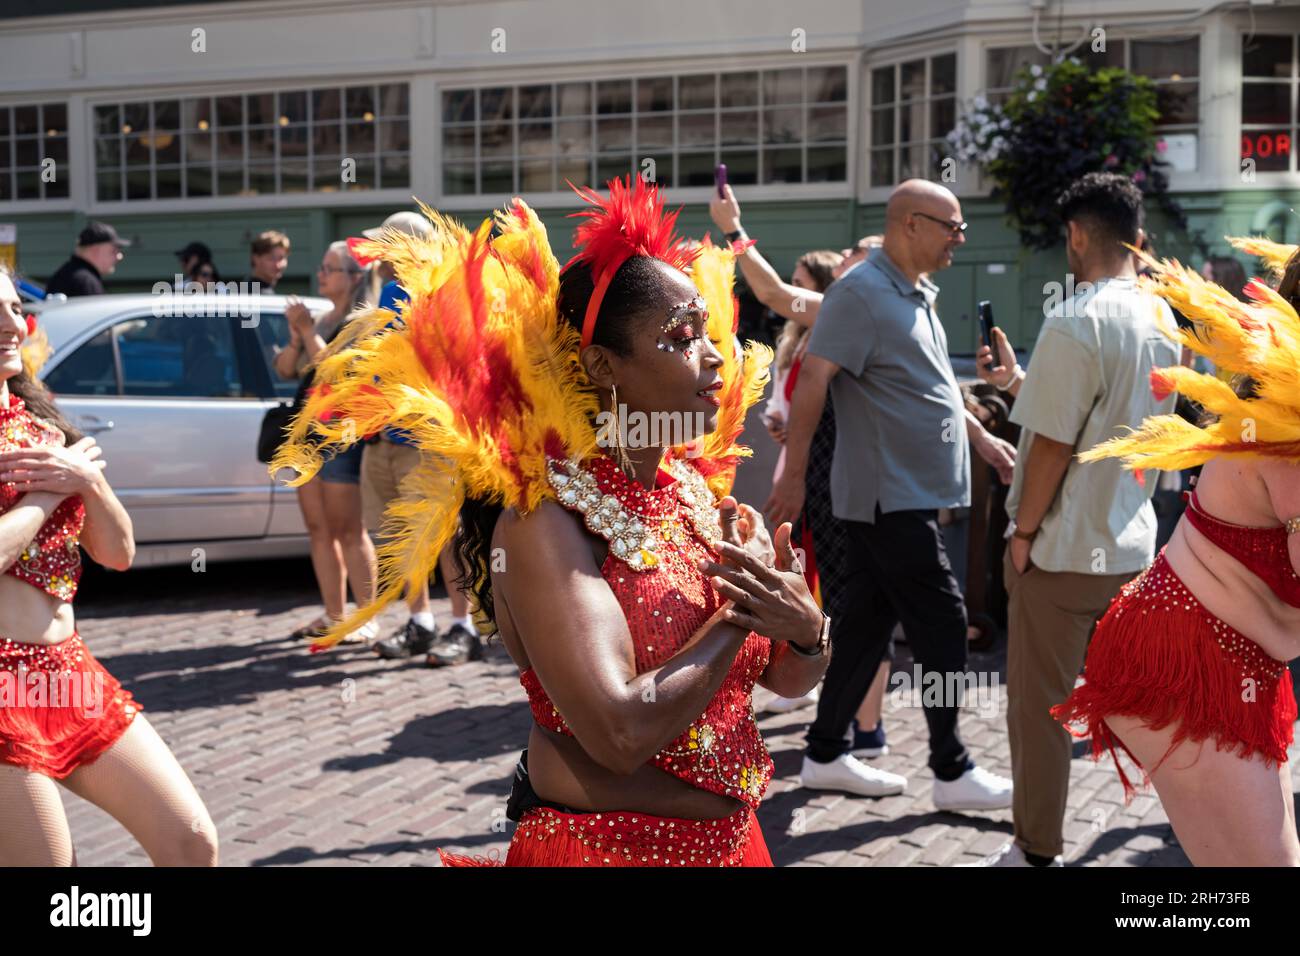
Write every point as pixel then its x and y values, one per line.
pixel 631 223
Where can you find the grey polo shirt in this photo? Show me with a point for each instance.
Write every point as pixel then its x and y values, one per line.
pixel 900 423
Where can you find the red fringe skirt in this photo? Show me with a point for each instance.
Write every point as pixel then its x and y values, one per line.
pixel 1158 655
pixel 547 837
pixel 59 707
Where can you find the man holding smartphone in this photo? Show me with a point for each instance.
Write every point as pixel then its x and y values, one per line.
pixel 901 453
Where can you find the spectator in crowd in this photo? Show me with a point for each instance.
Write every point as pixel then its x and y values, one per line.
pixel 899 458
pixel 205 275
pixel 268 257
pixel 1079 531
pixel 341 551
pixel 1227 272
pixel 97 253
pixel 388 458
pixel 191 257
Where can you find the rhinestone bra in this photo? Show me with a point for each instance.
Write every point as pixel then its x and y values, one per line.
pixel 1262 550
pixel 656 537
pixel 52 561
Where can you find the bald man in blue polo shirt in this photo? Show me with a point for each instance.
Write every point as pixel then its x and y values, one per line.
pixel 902 452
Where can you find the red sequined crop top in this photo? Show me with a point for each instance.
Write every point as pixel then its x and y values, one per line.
pixel 1262 550
pixel 655 539
pixel 52 561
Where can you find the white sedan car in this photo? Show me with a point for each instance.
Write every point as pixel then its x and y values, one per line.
pixel 174 388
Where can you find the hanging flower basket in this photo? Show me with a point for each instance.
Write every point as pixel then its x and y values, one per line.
pixel 1058 123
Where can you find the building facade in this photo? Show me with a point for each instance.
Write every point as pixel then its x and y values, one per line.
pixel 215 121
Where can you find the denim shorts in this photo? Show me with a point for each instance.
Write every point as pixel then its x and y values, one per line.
pixel 344 468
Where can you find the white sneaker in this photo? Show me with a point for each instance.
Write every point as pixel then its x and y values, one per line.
pixel 1009 854
pixel 849 775
pixel 976 789
pixel 784 705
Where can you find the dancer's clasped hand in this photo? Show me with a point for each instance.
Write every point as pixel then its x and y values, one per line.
pixel 67 471
pixel 771 600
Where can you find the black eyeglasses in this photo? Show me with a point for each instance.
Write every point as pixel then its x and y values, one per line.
pixel 952 227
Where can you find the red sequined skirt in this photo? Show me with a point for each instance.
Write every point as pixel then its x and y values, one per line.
pixel 1158 655
pixel 547 837
pixel 59 707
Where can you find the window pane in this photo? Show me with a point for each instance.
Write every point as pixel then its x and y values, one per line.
pixel 654 95
pixel 230 110
pixel 1270 149
pixel 654 132
pixel 293 141
pixel 325 105
pixel 196 114
pixel 108 185
pixel 293 107
pixel 230 180
pixel 138 184
pixel 1177 102
pixel 188 357
pixel 1166 59
pixel 361 103
pixel 943 74
pixel 1266 103
pixel 696 129
pixel 458 179
pixel 28 184
pixel 198 180
pixel 6 186
pixel 882 86
pixel 912 162
pixel 1003 64
pixel 394 136
pixel 230 145
pixel 498 140
pixel 911 122
pixel 58 188
pixel 26 152
pixel 697 92
pixel 458 106
pixel 108 119
pixel 614 96
pixel 782 166
pixel 742 167
pixel 1266 56
pixel 575 99
pixel 137 149
pixel 740 128
pixel 395 172
pixel 26 122
pixel 739 89
pixel 54 118
pixel 827 123
pixel 827 164
pixel 167 115
pixel 87 371
pixel 457 143
pixel 912 82
pixel 363 177
pixel 535 176
pixel 943 116
pixel 882 126
pixel 535 139
pixel 395 99
pixel 498 178
pixel 168 180
pixel 576 169
pixel 573 137
pixel 259 109
pixel 827 84
pixel 782 86
pixel 327 139
pixel 782 126
pixel 613 134
pixel 167 148
pixel 695 169
pixel 496 104
pixel 610 167
pixel 534 101
pixel 360 139
pixel 293 176
pixel 261 179
pixel 261 144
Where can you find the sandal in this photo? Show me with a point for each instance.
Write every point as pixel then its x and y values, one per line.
pixel 313 630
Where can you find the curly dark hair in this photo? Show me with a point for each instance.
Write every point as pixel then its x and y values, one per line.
pixel 1108 205
pixel 636 280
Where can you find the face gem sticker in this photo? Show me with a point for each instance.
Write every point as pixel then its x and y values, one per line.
pixel 681 314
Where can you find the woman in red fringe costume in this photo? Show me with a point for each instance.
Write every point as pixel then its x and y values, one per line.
pixel 640 609
pixel 1186 673
pixel 62 716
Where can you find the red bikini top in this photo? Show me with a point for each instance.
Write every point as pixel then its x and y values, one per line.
pixel 1262 550
pixel 52 561
pixel 655 539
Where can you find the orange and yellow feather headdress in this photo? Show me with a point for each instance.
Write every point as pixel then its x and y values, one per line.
pixel 1259 339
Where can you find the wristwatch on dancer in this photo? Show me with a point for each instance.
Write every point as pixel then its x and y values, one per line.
pixel 823 640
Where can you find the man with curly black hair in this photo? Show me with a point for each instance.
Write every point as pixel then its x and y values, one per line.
pixel 1080 531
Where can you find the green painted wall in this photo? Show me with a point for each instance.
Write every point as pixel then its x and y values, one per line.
pixel 991 265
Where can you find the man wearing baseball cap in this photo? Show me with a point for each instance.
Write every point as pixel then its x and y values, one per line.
pixel 97 253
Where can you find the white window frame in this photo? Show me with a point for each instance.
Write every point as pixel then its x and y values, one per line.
pixel 877 194
pixel 65 169
pixel 1281 177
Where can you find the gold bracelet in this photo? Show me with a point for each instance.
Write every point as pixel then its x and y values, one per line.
pixel 1293 525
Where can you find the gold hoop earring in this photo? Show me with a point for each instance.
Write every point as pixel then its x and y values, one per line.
pixel 621 456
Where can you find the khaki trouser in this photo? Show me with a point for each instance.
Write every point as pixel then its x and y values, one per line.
pixel 383 466
pixel 1050 618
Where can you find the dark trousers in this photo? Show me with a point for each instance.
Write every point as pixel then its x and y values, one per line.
pixel 897 570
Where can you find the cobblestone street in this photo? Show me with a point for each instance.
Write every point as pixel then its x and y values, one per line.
pixel 341 758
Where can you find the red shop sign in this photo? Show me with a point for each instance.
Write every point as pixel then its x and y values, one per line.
pixel 1265 145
